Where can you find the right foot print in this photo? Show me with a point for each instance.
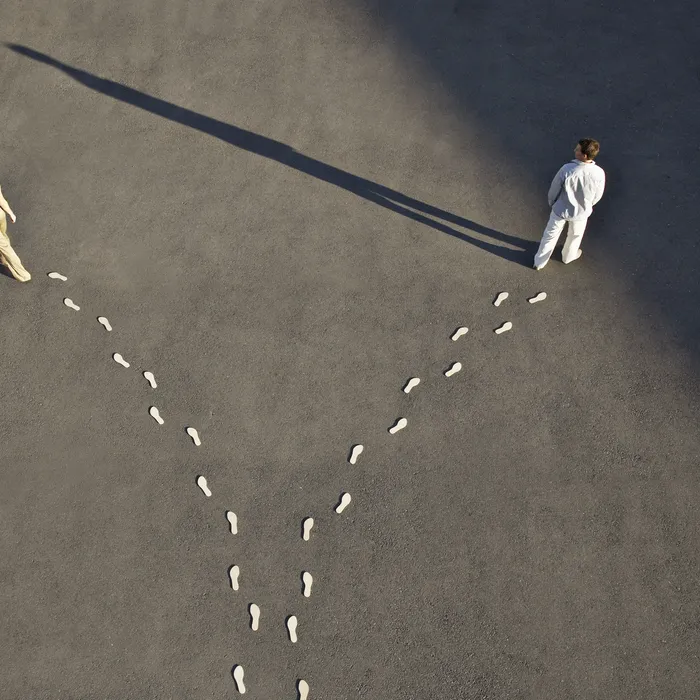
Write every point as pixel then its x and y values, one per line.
pixel 355 453
pixel 233 573
pixel 400 424
pixel 192 432
pixel 453 369
pixel 303 688
pixel 233 521
pixel 460 332
pixel 150 379
pixel 254 617
pixel 57 276
pixel 308 580
pixel 500 298
pixel 292 627
pixel 120 360
pixel 70 304
pixel 410 384
pixel 238 677
pixel 344 503
pixel 505 327
pixel 202 483
pixel 306 529
pixel 103 320
pixel 539 297
pixel 155 414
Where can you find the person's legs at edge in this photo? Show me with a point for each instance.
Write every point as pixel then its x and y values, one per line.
pixel 572 247
pixel 8 257
pixel 551 234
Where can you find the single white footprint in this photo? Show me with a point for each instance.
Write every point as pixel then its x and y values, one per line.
pixel 410 384
pixel 150 379
pixel 292 627
pixel 505 327
pixel 70 304
pixel 58 276
pixel 456 366
pixel 355 453
pixel 155 414
pixel 233 573
pixel 500 298
pixel 463 330
pixel 400 424
pixel 539 297
pixel 238 674
pixel 306 529
pixel 233 521
pixel 120 360
pixel 344 503
pixel 105 322
pixel 308 580
pixel 303 688
pixel 254 617
pixel 192 432
pixel 202 483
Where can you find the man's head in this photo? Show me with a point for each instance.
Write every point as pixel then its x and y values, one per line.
pixel 587 149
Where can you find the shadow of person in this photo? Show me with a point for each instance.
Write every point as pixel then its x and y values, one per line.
pixel 392 200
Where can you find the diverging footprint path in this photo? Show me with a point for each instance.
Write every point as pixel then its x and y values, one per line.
pixel 236 571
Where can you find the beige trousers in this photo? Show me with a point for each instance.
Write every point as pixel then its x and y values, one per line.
pixel 8 257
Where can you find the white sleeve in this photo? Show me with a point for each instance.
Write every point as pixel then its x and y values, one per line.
pixel 600 189
pixel 555 187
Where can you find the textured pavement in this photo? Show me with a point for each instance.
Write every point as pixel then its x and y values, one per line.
pixel 285 209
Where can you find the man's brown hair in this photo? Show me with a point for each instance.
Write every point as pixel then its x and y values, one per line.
pixel 589 147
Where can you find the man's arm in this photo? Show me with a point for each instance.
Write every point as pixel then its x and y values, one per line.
pixel 6 207
pixel 599 190
pixel 555 187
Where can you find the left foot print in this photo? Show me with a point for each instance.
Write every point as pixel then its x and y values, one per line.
pixel 500 298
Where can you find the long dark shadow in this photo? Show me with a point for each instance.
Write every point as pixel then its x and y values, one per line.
pixel 286 155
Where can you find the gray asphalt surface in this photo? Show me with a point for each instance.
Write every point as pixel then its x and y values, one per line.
pixel 285 210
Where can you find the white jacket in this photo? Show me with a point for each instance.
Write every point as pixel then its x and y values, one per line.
pixel 576 188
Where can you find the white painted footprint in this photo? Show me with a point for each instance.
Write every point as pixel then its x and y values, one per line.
pixel 308 581
pixel 103 320
pixel 71 304
pixel 254 617
pixel 202 483
pixel 456 366
pixel 155 414
pixel 192 432
pixel 500 298
pixel 303 688
pixel 234 573
pixel 292 624
pixel 505 327
pixel 411 384
pixel 462 330
pixel 355 453
pixel 400 424
pixel 344 503
pixel 238 674
pixel 58 276
pixel 233 521
pixel 150 378
pixel 539 297
pixel 120 360
pixel 306 529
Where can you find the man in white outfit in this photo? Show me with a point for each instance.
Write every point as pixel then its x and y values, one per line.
pixel 575 190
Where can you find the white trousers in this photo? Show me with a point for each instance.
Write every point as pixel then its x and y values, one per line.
pixel 551 234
